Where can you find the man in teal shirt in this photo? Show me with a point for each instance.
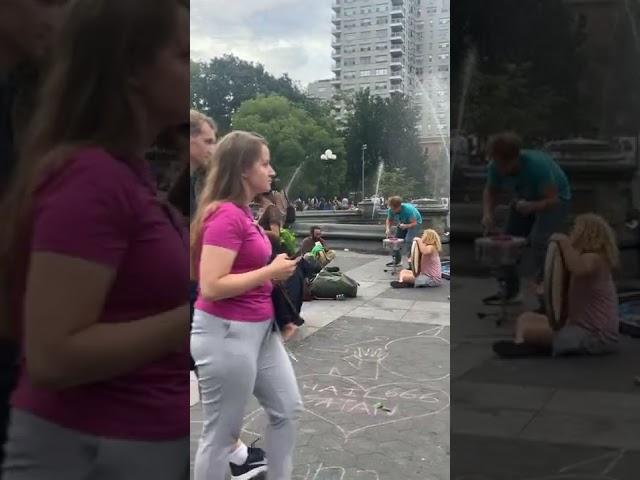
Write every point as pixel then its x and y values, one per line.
pixel 408 220
pixel 541 201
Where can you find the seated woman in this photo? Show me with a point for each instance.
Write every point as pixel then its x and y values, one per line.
pixel 430 271
pixel 590 253
pixel 270 218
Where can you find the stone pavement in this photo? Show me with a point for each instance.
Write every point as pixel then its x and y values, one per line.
pixel 374 375
pixel 568 418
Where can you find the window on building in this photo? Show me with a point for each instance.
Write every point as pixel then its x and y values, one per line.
pixel 348 25
pixel 348 12
pixel 382 71
pixel 381 33
pixel 382 20
pixel 365 22
pixel 365 60
pixel 349 75
pixel 365 34
pixel 381 86
pixel 381 46
pixel 365 73
pixel 349 61
pixel 443 68
pixel 381 58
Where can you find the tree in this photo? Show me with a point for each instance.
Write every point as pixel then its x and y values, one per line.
pixel 396 181
pixel 389 129
pixel 221 85
pixel 528 58
pixel 296 141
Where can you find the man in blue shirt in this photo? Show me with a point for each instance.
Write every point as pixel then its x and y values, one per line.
pixel 541 201
pixel 408 220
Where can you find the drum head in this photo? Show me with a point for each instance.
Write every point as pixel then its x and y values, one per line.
pixel 556 286
pixel 416 258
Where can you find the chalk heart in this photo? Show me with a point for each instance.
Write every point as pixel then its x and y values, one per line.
pixel 401 352
pixel 352 408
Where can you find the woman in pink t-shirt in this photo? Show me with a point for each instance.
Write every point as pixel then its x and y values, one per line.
pixel 590 254
pixel 100 265
pixel 430 271
pixel 234 342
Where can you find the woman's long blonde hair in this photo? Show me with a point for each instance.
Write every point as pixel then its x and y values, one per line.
pixel 85 98
pixel 592 234
pixel 431 237
pixel 234 155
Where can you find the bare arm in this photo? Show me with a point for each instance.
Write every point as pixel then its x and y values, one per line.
pixel 578 264
pixel 550 198
pixel 66 346
pixel 412 223
pixel 426 249
pixel 489 200
pixel 216 281
pixel 274 232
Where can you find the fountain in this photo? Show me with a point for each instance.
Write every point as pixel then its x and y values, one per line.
pixel 293 177
pixel 376 197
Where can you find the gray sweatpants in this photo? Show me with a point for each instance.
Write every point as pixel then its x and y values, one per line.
pixel 235 359
pixel 41 450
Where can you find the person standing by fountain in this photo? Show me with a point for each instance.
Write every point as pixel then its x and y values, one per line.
pixel 541 206
pixel 408 221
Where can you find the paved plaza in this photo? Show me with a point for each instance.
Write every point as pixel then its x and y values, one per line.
pixel 538 419
pixel 374 375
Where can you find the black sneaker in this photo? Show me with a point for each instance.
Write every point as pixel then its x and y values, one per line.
pixel 393 264
pixel 509 349
pixel 253 468
pixel 396 284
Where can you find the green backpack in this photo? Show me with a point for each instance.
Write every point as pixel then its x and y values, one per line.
pixel 331 284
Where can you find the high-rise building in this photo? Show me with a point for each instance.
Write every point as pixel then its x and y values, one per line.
pixel 321 89
pixel 432 57
pixel 374 45
pixel 395 46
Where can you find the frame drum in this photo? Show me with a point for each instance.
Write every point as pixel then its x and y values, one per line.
pixel 556 286
pixel 500 250
pixel 416 258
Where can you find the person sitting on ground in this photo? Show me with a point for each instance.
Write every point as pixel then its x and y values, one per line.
pixel 430 271
pixel 409 222
pixel 324 257
pixel 592 327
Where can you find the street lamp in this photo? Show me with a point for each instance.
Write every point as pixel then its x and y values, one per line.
pixel 364 148
pixel 326 156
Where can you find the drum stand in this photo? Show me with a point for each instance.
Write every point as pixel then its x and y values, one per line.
pixel 501 316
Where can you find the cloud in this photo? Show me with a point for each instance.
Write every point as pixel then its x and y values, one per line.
pixel 286 36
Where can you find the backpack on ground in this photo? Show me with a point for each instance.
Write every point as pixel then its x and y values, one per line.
pixel 332 284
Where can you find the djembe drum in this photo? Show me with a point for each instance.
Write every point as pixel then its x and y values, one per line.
pixel 556 286
pixel 395 246
pixel 497 252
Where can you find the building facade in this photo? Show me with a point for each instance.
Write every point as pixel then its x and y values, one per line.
pixel 321 89
pixel 395 46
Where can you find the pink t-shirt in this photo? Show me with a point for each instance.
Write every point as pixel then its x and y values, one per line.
pixel 431 267
pixel 232 227
pixel 104 211
pixel 593 303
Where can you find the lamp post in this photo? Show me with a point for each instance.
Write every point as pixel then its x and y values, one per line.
pixel 364 149
pixel 326 156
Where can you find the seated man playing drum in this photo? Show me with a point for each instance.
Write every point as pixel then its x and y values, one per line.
pixel 409 223
pixel 541 205
pixel 590 254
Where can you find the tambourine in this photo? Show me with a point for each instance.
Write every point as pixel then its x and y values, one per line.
pixel 416 258
pixel 500 250
pixel 556 286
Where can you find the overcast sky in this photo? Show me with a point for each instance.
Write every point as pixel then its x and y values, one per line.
pixel 286 36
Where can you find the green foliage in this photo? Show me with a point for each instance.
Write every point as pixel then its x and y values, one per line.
pixel 388 128
pixel 295 138
pixel 529 64
pixel 221 85
pixel 396 181
pixel 288 241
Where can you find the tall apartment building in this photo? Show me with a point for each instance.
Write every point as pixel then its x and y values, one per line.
pixel 395 46
pixel 374 45
pixel 432 56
